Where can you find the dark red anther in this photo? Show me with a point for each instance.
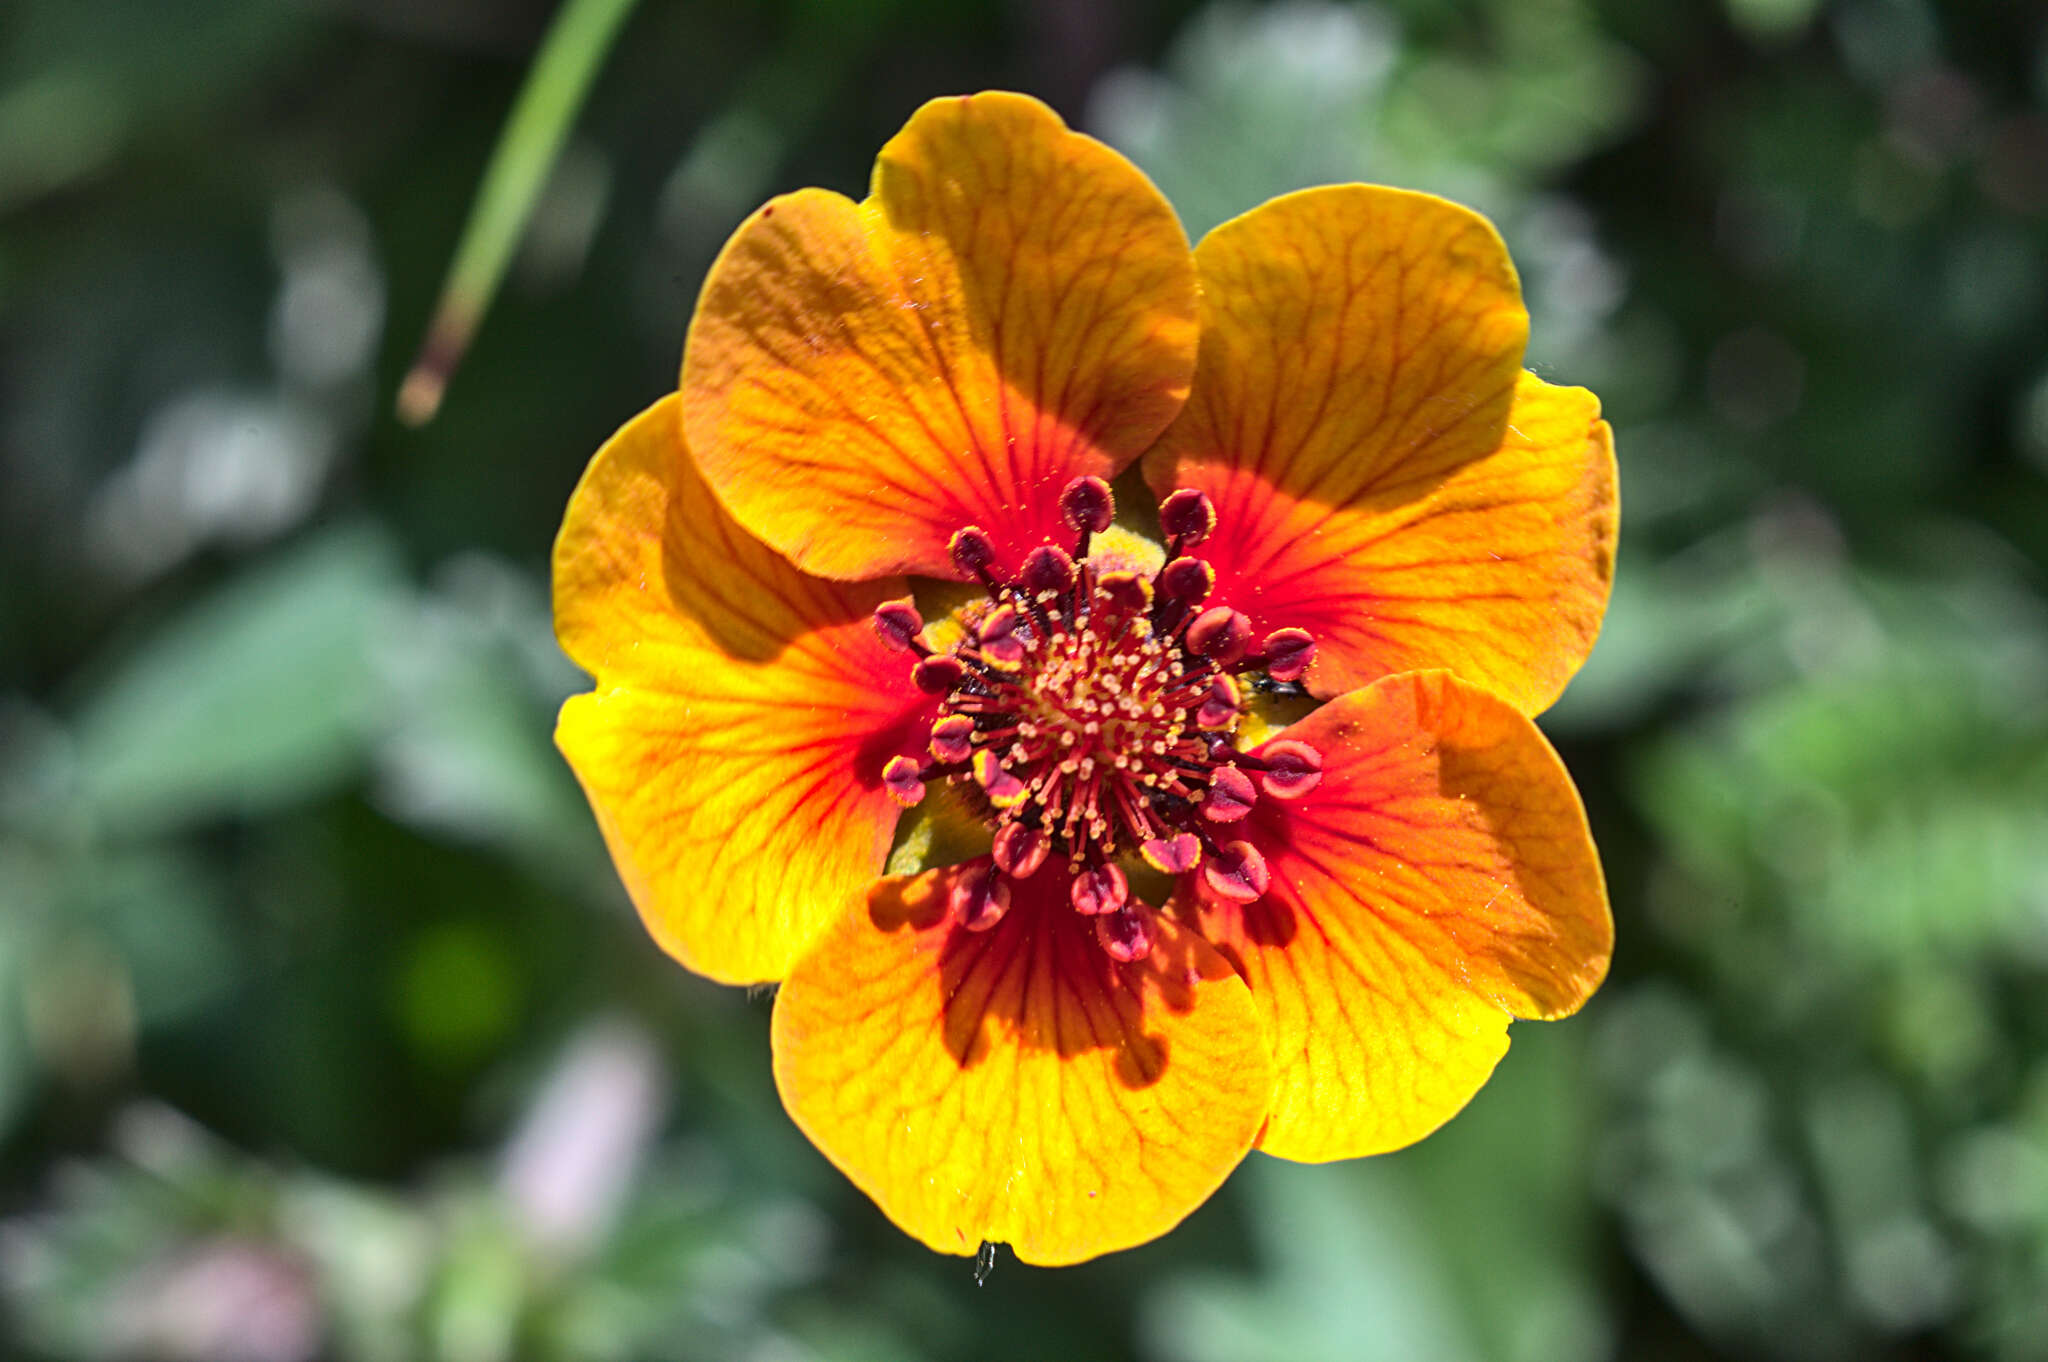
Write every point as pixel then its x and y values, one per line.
pixel 1100 889
pixel 1219 708
pixel 972 551
pixel 1187 579
pixel 1001 644
pixel 1237 873
pixel 938 674
pixel 1003 789
pixel 1292 768
pixel 903 778
pixel 1087 505
pixel 979 898
pixel 1175 855
pixel 899 624
pixel 1125 590
pixel 1047 568
pixel 1220 634
pixel 952 739
pixel 1126 934
pixel 1230 797
pixel 1020 849
pixel 1288 653
pixel 1086 713
pixel 1187 517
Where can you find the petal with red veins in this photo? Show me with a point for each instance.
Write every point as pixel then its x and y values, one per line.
pixel 733 747
pixel 1017 1085
pixel 1438 881
pixel 1385 475
pixel 1011 307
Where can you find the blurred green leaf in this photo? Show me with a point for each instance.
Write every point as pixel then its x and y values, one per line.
pixel 253 697
pixel 1898 797
pixel 474 677
pixel 1352 1274
pixel 1473 1245
pixel 16 1067
pixel 161 909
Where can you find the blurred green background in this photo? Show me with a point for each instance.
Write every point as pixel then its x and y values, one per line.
pixel 325 1030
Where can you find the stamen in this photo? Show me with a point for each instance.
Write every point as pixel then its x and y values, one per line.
pixel 1047 568
pixel 1004 790
pixel 1231 795
pixel 1087 505
pixel 1175 855
pixel 1292 769
pixel 900 625
pixel 1288 653
pixel 1188 517
pixel 904 780
pixel 1220 705
pixel 979 898
pixel 1000 644
pixel 1019 850
pixel 1126 934
pixel 1220 634
pixel 1100 889
pixel 1125 590
pixel 971 551
pixel 952 739
pixel 938 675
pixel 1187 579
pixel 1237 873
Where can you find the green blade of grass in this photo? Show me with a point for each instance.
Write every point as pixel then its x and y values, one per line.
pixel 575 46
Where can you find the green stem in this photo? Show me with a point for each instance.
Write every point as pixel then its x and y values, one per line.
pixel 575 46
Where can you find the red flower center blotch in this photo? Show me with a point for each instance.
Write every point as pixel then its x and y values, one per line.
pixel 1089 710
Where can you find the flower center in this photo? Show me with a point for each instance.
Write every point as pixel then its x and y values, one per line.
pixel 1088 710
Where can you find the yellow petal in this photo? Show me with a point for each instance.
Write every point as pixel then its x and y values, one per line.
pixel 1438 881
pixel 1385 475
pixel 1015 1085
pixel 732 748
pixel 1012 306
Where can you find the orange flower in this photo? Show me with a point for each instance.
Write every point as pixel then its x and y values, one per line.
pixel 1173 930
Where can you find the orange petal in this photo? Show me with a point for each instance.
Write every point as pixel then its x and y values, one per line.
pixel 1385 475
pixel 1012 306
pixel 1439 880
pixel 733 746
pixel 1015 1085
